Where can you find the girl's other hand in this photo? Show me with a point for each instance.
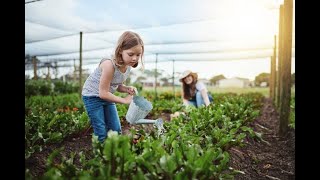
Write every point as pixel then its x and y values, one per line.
pixel 131 90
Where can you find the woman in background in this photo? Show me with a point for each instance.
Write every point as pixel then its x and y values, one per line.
pixel 194 92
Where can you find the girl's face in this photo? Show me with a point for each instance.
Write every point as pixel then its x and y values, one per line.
pixel 131 56
pixel 188 79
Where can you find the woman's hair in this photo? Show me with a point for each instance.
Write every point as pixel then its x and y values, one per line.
pixel 126 41
pixel 189 89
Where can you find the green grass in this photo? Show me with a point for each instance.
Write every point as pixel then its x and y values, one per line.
pixel 262 90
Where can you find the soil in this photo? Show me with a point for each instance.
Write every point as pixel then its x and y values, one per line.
pixel 273 158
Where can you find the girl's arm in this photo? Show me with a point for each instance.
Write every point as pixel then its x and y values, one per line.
pixel 185 101
pixel 126 89
pixel 205 97
pixel 104 86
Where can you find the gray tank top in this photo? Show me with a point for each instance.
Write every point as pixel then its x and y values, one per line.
pixel 91 85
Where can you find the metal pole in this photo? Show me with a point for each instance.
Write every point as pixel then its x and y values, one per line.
pixel 34 60
pixel 174 92
pixel 56 69
pixel 156 74
pixel 80 66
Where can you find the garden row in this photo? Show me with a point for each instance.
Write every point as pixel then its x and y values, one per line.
pixel 194 145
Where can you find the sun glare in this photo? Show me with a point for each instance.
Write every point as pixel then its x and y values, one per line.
pixel 248 20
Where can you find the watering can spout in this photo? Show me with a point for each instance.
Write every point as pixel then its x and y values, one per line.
pixel 159 123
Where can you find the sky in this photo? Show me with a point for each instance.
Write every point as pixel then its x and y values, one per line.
pixel 211 37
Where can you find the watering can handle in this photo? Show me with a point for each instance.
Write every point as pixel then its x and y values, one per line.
pixel 135 91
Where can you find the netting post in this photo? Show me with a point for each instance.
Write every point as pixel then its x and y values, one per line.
pixel 174 92
pixel 285 95
pixel 80 66
pixel 156 75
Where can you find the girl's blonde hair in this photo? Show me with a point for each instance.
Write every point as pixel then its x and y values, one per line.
pixel 126 41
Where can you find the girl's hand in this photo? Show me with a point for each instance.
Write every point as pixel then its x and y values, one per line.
pixel 131 90
pixel 128 99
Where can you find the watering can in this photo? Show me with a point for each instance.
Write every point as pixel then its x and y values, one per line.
pixel 139 109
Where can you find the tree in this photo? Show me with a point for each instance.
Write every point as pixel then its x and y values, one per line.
pixel 165 81
pixel 215 79
pixel 262 77
pixel 140 78
pixel 153 72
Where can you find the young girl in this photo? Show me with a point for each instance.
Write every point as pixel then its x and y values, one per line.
pixel 194 92
pixel 98 90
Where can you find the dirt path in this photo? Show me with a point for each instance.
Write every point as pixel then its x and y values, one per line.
pixel 258 160
pixel 273 159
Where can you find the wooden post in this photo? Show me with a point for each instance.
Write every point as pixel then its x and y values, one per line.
pixel 34 61
pixel 280 56
pixel 80 66
pixel 273 73
pixel 285 96
pixel 271 80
